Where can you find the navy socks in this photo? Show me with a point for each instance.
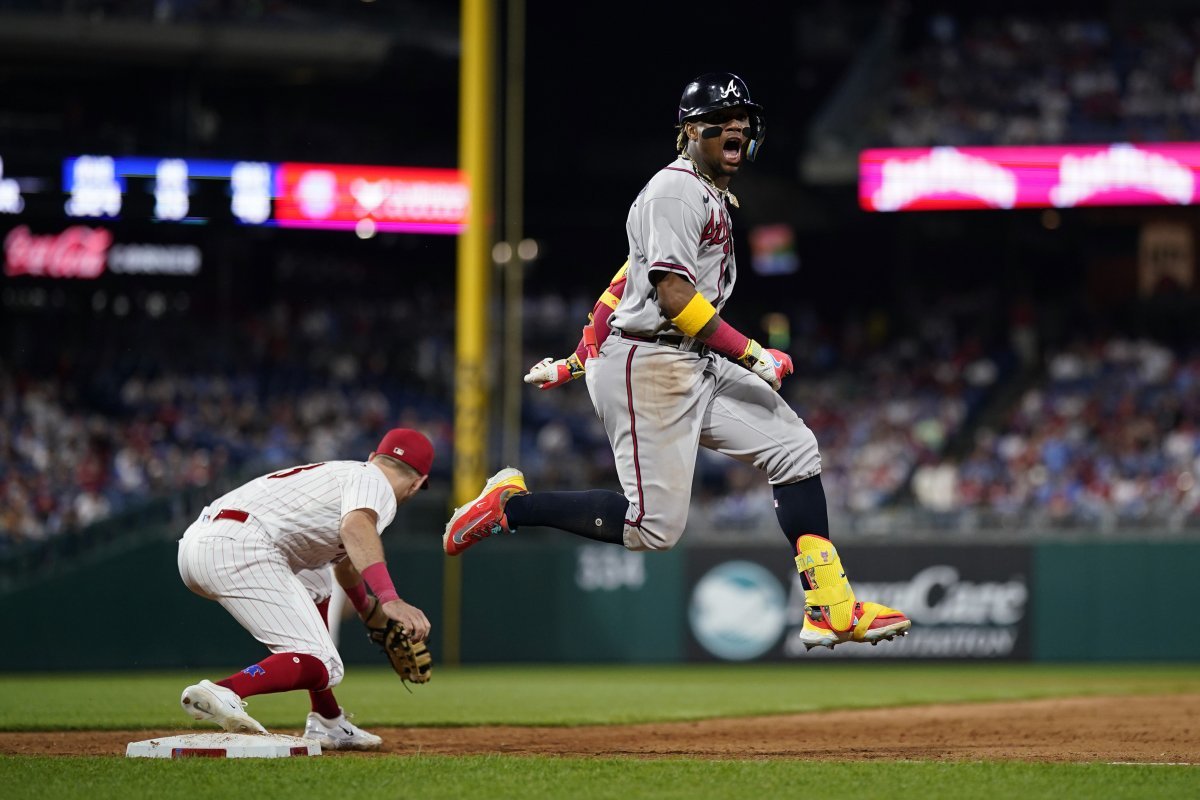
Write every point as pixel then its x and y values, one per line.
pixel 599 515
pixel 596 514
pixel 800 507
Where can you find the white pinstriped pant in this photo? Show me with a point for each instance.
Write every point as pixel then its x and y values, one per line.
pixel 236 564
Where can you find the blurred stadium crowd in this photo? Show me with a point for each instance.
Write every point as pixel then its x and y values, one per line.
pixel 1021 79
pixel 916 413
pixel 152 397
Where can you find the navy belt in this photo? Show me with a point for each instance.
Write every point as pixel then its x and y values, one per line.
pixel 669 340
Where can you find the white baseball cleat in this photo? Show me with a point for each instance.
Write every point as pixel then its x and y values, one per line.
pixel 207 701
pixel 339 733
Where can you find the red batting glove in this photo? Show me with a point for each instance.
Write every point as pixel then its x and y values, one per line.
pixel 784 363
pixel 770 365
pixel 548 373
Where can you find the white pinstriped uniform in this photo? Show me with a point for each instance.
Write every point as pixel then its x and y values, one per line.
pixel 269 570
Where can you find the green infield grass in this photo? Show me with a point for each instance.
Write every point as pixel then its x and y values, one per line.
pixel 494 777
pixel 574 695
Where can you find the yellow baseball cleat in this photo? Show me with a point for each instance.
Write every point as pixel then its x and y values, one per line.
pixel 873 623
pixel 833 614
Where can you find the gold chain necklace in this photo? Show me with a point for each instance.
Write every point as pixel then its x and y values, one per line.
pixel 724 193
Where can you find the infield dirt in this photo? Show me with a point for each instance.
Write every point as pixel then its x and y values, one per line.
pixel 1146 729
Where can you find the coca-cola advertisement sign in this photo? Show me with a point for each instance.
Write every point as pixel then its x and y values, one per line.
pixel 86 253
pixel 77 252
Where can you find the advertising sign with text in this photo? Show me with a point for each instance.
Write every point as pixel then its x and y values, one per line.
pixel 965 602
pixel 944 178
pixel 398 199
pixel 83 252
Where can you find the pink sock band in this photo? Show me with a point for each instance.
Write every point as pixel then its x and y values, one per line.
pixel 358 598
pixel 380 582
pixel 725 339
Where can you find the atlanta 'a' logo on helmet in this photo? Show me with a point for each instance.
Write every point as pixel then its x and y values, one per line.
pixel 731 89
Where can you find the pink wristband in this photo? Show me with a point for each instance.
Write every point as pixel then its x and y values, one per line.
pixel 380 582
pixel 725 339
pixel 358 598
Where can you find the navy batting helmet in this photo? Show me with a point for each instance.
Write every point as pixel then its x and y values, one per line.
pixel 713 91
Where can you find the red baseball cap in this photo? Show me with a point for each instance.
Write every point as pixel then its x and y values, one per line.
pixel 411 447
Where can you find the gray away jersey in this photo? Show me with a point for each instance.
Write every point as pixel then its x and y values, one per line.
pixel 678 224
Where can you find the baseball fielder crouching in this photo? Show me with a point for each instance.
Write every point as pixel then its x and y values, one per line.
pixel 262 551
pixel 667 375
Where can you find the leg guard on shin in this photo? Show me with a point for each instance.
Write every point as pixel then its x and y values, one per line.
pixel 829 590
pixel 834 615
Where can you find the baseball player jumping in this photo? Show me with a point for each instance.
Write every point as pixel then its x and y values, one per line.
pixel 667 375
pixel 261 551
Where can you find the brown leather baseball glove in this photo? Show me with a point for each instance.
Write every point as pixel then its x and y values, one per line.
pixel 411 660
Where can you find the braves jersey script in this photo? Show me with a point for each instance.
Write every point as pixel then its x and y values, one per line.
pixel 301 509
pixel 678 224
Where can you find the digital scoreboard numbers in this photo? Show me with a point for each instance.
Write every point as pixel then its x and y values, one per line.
pixel 11 201
pixel 177 190
pixel 95 191
pixel 127 214
pixel 250 191
pixel 138 190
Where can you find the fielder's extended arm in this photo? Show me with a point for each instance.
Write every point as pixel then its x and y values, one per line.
pixel 365 552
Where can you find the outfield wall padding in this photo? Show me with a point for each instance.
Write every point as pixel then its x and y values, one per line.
pixel 555 598
pixel 540 599
pixel 1125 601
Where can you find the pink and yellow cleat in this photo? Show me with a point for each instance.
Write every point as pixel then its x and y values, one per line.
pixel 483 516
pixel 872 623
pixel 833 615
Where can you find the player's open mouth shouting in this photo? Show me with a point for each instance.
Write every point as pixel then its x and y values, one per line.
pixel 732 147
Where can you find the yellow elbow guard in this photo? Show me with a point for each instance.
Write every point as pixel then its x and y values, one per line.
pixel 609 299
pixel 695 315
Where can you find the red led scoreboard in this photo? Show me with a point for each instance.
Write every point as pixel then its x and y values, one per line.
pixel 127 214
pixel 288 194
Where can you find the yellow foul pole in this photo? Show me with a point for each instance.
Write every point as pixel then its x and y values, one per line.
pixel 475 138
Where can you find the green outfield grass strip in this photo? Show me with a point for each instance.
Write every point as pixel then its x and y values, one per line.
pixel 577 695
pixel 493 777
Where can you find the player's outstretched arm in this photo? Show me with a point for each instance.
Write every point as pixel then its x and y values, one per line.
pixel 365 552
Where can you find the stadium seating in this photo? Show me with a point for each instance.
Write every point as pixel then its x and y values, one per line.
pixel 1042 79
pixel 1107 438
pixel 108 430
